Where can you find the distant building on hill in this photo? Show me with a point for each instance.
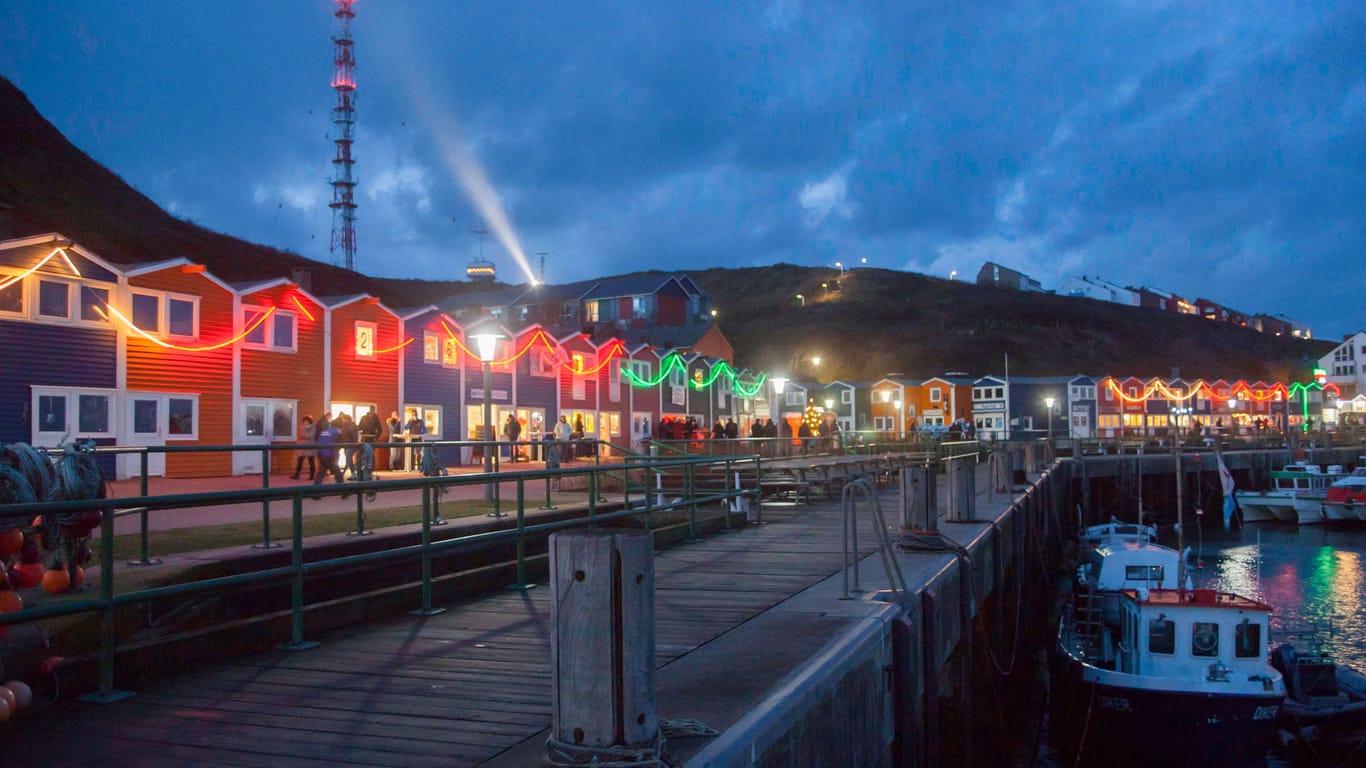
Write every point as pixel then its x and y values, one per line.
pixel 1346 366
pixel 992 273
pixel 1163 300
pixel 1100 289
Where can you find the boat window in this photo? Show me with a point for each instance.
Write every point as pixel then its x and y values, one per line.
pixel 1152 573
pixel 1205 638
pixel 1247 640
pixel 1162 635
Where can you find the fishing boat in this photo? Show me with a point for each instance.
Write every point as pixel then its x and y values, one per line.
pixel 1324 713
pixel 1296 495
pixel 1149 671
pixel 1345 499
pixel 1179 676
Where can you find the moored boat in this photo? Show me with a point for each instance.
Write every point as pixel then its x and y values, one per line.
pixel 1345 499
pixel 1296 495
pixel 1324 713
pixel 1176 676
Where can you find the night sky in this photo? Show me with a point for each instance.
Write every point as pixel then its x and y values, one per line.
pixel 1210 149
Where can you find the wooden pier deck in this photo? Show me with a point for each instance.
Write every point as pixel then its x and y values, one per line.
pixel 454 689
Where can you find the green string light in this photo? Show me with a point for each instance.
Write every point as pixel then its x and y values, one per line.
pixel 675 360
pixel 1304 401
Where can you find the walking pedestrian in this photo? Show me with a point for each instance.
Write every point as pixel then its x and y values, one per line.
pixel 308 432
pixel 327 454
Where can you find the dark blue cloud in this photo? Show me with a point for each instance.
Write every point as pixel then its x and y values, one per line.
pixel 1199 147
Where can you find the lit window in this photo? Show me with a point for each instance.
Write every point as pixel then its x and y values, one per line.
pixel 450 352
pixel 365 339
pixel 431 347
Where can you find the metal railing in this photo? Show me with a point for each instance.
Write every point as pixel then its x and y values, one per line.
pixel 108 600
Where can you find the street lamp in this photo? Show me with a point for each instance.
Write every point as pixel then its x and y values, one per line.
pixel 486 346
pixel 1048 402
pixel 953 274
pixel 802 299
pixel 841 267
pixel 900 420
pixel 816 360
pixel 775 407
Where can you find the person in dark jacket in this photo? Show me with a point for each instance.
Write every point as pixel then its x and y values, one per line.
pixel 732 430
pixel 349 434
pixel 308 433
pixel 327 454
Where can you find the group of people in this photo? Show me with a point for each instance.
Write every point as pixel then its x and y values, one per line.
pixel 962 429
pixel 328 432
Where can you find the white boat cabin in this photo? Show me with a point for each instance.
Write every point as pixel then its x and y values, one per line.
pixel 1195 634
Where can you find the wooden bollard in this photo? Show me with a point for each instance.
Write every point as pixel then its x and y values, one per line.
pixel 919 499
pixel 603 641
pixel 962 491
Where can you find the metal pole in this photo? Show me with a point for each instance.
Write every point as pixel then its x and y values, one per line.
pixel 106 693
pixel 296 561
pixel 428 497
pixel 488 428
pixel 521 537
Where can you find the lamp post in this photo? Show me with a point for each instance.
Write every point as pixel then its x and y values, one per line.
pixel 486 345
pixel 1048 403
pixel 802 299
pixel 775 407
pixel 953 274
pixel 900 421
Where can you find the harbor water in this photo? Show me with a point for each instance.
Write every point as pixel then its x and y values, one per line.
pixel 1313 577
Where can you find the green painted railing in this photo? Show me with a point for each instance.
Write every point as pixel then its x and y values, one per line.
pixel 746 471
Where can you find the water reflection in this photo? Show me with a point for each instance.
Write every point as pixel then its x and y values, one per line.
pixel 1311 577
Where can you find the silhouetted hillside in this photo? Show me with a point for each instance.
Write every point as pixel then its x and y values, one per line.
pixel 880 322
pixel 55 187
pixel 883 321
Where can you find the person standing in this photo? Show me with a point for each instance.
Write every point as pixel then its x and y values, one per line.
pixel 308 434
pixel 562 434
pixel 732 429
pixel 415 429
pixel 512 429
pixel 395 435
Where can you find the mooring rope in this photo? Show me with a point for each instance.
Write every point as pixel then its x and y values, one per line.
pixel 564 755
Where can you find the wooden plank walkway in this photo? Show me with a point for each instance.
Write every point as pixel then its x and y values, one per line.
pixel 455 689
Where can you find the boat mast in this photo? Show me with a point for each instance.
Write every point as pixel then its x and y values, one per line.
pixel 1180 529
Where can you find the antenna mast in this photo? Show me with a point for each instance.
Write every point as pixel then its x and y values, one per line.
pixel 343 203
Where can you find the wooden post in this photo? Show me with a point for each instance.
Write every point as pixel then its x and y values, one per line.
pixel 919 499
pixel 602 654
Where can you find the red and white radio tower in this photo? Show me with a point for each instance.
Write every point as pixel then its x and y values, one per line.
pixel 344 116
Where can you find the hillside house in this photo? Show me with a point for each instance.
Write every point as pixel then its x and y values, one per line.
pixel 1099 289
pixel 994 274
pixel 1346 365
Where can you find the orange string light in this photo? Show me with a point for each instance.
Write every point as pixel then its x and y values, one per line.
pixel 301 307
pixel 245 332
pixel 396 347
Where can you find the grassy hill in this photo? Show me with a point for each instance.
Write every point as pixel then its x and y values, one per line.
pixel 880 321
pixel 883 321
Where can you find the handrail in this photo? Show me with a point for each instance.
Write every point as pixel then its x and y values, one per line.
pixel 108 601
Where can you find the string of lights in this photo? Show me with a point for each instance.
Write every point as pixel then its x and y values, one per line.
pixel 253 325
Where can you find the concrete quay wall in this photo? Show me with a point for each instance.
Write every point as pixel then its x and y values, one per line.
pixel 914 679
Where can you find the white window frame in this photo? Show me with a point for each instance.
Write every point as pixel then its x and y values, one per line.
pixel 268 427
pixel 193 301
pixel 678 377
pixel 71 427
pixel 164 414
pixel 37 282
pixel 795 398
pixel 267 329
pixel 846 397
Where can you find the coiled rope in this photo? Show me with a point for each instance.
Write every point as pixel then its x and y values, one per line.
pixel 565 755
